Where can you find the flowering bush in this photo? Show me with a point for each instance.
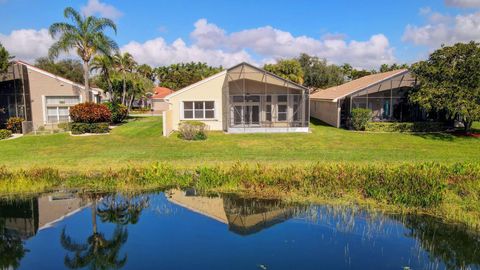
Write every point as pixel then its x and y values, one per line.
pixel 90 113
pixel 14 124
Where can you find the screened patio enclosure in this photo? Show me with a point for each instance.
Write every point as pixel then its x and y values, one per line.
pixel 259 101
pixel 14 94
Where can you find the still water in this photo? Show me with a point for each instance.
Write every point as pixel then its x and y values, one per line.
pixel 182 230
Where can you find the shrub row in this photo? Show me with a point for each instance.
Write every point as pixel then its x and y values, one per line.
pixel 82 128
pixel 192 130
pixel 405 126
pixel 5 133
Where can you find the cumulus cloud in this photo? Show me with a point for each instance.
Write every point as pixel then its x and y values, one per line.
pixel 444 29
pixel 94 7
pixel 463 3
pixel 214 45
pixel 27 44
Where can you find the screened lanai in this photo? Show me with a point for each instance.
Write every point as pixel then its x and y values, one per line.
pixel 14 94
pixel 259 101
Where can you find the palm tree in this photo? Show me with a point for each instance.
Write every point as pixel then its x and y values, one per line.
pixel 122 210
pixel 86 35
pixel 104 65
pixel 124 63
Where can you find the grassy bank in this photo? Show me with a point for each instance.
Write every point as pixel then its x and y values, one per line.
pixel 451 192
pixel 139 143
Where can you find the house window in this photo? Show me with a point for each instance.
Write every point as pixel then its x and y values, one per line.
pixel 198 109
pixel 282 112
pixel 268 113
pixel 58 108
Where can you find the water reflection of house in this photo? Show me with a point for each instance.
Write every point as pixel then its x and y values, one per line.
pixel 242 215
pixel 25 218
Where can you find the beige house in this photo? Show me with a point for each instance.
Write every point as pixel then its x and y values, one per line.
pixel 40 97
pixel 384 93
pixel 158 99
pixel 242 99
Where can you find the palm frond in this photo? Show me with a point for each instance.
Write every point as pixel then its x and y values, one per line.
pixel 71 13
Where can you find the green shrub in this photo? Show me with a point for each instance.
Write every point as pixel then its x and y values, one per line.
pixel 82 128
pixel 64 126
pixel 192 130
pixel 360 118
pixel 405 126
pixel 119 112
pixel 5 133
pixel 14 124
pixel 90 113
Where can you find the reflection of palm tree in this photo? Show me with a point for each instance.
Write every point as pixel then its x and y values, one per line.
pixel 11 251
pixel 122 210
pixel 98 252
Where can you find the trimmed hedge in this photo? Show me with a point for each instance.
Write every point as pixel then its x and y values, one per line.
pixel 82 128
pixel 5 133
pixel 405 126
pixel 192 130
pixel 14 124
pixel 90 113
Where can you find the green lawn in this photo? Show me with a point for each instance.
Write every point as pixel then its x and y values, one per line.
pixel 141 141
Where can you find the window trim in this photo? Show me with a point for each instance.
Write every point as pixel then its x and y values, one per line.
pixel 182 111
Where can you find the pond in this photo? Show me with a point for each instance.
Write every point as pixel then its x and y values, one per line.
pixel 183 230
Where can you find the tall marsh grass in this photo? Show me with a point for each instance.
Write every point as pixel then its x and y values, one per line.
pixel 450 190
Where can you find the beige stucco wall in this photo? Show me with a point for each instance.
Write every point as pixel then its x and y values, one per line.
pixel 42 85
pixel 159 105
pixel 326 111
pixel 208 90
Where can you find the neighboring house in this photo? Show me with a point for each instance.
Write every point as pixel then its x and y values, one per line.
pixel 384 93
pixel 242 99
pixel 38 96
pixel 158 99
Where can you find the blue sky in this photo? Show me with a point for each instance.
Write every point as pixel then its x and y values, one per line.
pixel 364 33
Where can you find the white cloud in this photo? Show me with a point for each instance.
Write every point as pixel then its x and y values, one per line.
pixel 463 3
pixel 444 29
pixel 27 44
pixel 215 46
pixel 158 52
pixel 94 7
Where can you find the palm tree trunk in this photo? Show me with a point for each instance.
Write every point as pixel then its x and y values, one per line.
pixel 124 88
pixel 94 216
pixel 86 78
pixel 131 101
pixel 110 89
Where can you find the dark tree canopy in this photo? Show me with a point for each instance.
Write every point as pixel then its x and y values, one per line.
pixel 68 68
pixel 450 82
pixel 319 74
pixel 178 76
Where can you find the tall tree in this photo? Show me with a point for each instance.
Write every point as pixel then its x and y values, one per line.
pixel 178 76
pixel 124 63
pixel 67 68
pixel 103 64
pixel 4 59
pixel 394 66
pixel 450 82
pixel 319 74
pixel 146 71
pixel 289 69
pixel 86 35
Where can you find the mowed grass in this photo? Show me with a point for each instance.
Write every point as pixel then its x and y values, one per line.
pixel 140 141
